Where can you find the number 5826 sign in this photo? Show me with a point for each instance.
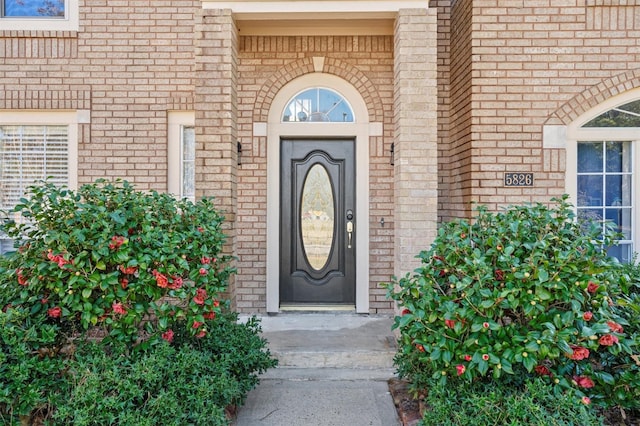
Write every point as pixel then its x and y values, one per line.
pixel 518 179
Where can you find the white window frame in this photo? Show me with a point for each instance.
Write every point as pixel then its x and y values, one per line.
pixel 177 120
pixel 71 119
pixel 71 21
pixel 576 133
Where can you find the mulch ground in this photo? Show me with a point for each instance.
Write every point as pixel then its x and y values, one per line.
pixel 410 409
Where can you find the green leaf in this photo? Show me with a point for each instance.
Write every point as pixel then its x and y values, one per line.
pixel 86 293
pixel 543 294
pixel 101 265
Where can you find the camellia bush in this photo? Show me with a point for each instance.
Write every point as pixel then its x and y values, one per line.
pixel 131 271
pixel 525 292
pixel 130 263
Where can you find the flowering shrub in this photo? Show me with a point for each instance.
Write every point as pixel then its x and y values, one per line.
pixel 131 263
pixel 525 292
pixel 112 288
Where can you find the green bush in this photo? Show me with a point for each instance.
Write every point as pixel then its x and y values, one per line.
pixel 30 374
pixel 132 263
pixel 528 291
pixel 185 383
pixel 141 275
pixel 487 404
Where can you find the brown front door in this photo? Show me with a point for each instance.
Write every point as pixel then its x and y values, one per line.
pixel 318 222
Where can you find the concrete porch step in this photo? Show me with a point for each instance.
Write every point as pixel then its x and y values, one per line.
pixel 330 341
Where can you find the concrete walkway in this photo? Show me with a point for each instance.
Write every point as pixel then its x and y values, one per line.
pixel 333 371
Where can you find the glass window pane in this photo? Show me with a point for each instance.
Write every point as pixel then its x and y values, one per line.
pixel 621 218
pixel 618 190
pixel 590 190
pixel 590 218
pixel 618 155
pixel 590 157
pixel 34 8
pixel 188 186
pixel 318 105
pixel 627 115
pixel 622 252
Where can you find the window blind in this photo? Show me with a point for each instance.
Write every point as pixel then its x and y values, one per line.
pixel 29 154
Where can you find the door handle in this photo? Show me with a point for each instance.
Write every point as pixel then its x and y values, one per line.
pixel 349 233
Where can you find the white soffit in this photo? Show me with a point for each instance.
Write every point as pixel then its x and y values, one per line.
pixel 314 9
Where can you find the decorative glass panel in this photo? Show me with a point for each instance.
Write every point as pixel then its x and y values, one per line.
pixel 318 105
pixel 627 115
pixel 317 217
pixel 33 8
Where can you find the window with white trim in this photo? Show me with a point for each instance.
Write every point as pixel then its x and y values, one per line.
pixel 182 155
pixel 601 159
pixel 45 15
pixel 35 146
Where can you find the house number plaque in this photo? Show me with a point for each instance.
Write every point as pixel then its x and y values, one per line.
pixel 518 179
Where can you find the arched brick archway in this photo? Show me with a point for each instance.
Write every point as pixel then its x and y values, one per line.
pixel 304 66
pixel 595 95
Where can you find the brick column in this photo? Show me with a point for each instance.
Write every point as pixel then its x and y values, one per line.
pixel 216 111
pixel 415 135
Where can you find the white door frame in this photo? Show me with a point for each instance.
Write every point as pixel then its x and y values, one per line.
pixel 360 130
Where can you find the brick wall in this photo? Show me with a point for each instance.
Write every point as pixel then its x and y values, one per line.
pixel 531 63
pixel 127 63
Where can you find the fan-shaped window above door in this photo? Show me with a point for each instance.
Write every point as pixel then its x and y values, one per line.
pixel 318 105
pixel 627 115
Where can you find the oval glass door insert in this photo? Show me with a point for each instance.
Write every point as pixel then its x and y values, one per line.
pixel 317 216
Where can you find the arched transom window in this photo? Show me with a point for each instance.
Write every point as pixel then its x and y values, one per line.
pixel 318 105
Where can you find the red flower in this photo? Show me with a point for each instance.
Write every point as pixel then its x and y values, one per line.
pixel 587 316
pixel 216 303
pixel 586 400
pixel 579 353
pixel 210 315
pixel 450 323
pixel 168 336
pixel 543 370
pixel 161 280
pixel 485 357
pixel 129 270
pixel 44 301
pixel 124 283
pixel 499 275
pixel 467 357
pixel 200 229
pixel 116 242
pixel 54 312
pixel 419 347
pixel 118 308
pixel 592 287
pixel 615 327
pixel 176 284
pixel 205 260
pixel 405 311
pixel 196 324
pixel 203 271
pixel 200 297
pixel 485 324
pixel 583 381
pixel 461 369
pixel 608 340
pixel 201 334
pixel 21 279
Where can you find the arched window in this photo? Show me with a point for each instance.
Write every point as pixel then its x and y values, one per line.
pixel 318 105
pixel 607 152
